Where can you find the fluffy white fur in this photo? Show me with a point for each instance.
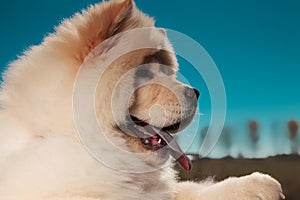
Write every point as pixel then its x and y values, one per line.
pixel 41 156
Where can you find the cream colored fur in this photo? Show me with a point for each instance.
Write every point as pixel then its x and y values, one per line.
pixel 41 156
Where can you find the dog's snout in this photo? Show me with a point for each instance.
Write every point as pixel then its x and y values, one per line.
pixel 191 93
pixel 196 92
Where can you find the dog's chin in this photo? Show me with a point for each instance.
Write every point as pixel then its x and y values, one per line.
pixel 156 141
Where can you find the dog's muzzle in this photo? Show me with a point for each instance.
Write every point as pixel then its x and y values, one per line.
pixel 153 138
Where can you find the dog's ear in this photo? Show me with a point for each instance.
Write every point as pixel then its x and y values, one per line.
pixel 123 12
pixel 102 21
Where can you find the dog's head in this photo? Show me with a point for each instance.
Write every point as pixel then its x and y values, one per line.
pixel 138 96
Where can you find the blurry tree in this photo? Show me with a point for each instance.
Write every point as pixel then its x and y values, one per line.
pixel 226 140
pixel 253 127
pixel 240 155
pixel 203 135
pixel 292 134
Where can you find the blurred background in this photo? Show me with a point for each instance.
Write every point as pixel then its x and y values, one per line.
pixel 256 47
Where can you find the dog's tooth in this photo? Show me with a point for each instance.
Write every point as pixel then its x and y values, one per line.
pixel 159 140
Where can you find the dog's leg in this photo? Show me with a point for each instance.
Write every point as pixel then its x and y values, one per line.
pixel 252 187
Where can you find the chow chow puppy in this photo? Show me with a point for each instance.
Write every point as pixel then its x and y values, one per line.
pixel 50 147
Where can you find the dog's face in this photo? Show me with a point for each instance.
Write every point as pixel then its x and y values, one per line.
pixel 139 98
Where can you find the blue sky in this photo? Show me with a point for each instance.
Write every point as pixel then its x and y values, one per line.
pixel 255 44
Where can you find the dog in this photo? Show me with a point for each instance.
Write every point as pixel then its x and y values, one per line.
pixel 59 142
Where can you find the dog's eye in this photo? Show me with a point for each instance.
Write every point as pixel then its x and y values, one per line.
pixel 145 73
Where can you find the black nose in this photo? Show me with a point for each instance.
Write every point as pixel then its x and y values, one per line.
pixel 191 93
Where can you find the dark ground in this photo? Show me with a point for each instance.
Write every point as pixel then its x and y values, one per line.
pixel 285 168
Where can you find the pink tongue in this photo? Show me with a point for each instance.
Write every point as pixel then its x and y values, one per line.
pixel 185 162
pixel 175 150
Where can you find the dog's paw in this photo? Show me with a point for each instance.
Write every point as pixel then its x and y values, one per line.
pixel 262 187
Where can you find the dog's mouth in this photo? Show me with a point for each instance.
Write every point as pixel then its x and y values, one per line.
pixel 153 138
